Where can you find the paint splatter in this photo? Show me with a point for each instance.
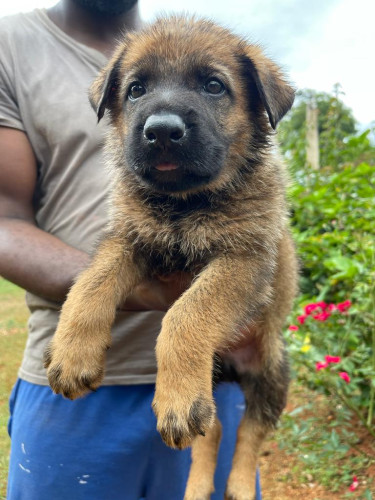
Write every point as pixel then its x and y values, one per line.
pixel 24 468
pixel 240 407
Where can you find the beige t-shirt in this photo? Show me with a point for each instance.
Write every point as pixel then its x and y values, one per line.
pixel 44 77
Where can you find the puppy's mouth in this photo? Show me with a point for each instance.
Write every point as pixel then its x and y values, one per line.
pixel 166 167
pixel 188 164
pixel 172 177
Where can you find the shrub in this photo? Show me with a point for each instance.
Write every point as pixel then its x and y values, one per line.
pixel 333 223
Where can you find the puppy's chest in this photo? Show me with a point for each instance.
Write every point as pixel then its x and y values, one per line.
pixel 161 260
pixel 182 244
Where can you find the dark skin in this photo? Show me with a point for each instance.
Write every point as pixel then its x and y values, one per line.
pixel 97 31
pixel 33 259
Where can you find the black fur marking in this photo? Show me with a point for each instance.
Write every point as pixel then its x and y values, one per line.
pixel 199 412
pixel 224 371
pixel 265 393
pixel 272 96
pixel 54 376
pixel 47 356
pixel 109 89
pixel 173 429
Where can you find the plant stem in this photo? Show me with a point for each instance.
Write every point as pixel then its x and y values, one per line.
pixel 354 409
pixel 349 405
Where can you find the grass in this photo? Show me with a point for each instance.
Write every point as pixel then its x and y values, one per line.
pixel 329 443
pixel 13 318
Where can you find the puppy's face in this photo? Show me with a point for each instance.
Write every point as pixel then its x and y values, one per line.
pixel 187 100
pixel 176 111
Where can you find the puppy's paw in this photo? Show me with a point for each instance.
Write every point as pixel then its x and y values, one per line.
pixel 235 496
pixel 240 490
pixel 198 496
pixel 181 418
pixel 201 491
pixel 74 369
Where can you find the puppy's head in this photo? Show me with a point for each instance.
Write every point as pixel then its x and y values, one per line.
pixel 190 104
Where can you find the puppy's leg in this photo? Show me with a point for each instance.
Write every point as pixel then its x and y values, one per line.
pixel 241 482
pixel 202 321
pixel 204 451
pixel 265 394
pixel 75 357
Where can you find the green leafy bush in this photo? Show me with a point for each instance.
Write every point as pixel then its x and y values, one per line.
pixel 333 217
pixel 326 345
pixel 331 335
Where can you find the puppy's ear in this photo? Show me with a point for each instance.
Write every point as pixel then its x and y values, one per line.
pixel 103 90
pixel 275 93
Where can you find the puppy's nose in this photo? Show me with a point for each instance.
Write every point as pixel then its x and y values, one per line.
pixel 164 130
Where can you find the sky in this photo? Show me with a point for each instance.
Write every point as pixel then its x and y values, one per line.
pixel 317 42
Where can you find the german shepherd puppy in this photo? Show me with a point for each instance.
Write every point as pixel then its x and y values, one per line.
pixel 197 187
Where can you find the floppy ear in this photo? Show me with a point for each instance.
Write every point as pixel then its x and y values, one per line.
pixel 275 93
pixel 103 90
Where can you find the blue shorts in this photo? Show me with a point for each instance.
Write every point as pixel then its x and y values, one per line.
pixel 104 446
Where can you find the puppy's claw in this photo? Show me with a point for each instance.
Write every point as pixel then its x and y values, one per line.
pixel 73 388
pixel 179 428
pixel 74 373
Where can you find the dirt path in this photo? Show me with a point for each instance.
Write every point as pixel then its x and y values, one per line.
pixel 277 479
pixel 276 466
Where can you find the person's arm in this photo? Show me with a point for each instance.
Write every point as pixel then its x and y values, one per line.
pixel 29 257
pixel 38 261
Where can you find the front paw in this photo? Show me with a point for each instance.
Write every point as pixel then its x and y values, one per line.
pixel 181 417
pixel 75 367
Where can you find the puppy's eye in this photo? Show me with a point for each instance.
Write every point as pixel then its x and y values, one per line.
pixel 136 90
pixel 214 86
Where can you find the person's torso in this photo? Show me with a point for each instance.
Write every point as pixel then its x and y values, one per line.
pixel 49 74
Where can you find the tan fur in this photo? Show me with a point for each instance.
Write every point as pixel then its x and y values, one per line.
pixel 241 255
pixel 242 477
pixel 204 455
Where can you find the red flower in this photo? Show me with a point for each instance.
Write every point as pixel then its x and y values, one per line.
pixel 354 484
pixel 332 359
pixel 345 377
pixel 309 308
pixel 323 316
pixel 322 305
pixel 332 307
pixel 302 318
pixel 294 328
pixel 320 365
pixel 344 306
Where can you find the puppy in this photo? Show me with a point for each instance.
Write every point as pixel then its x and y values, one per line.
pixel 197 187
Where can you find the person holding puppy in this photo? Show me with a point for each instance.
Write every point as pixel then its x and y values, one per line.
pixel 53 187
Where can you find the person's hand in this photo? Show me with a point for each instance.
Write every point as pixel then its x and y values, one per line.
pixel 157 294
